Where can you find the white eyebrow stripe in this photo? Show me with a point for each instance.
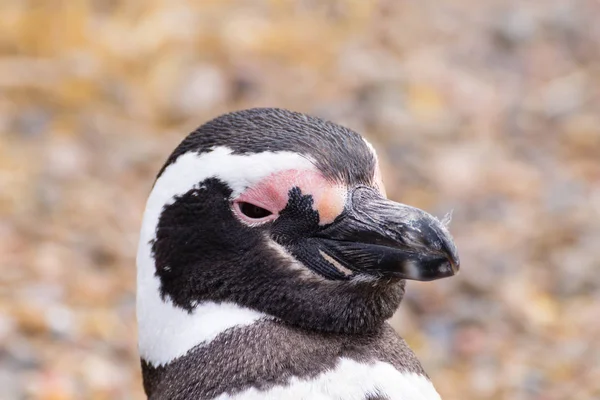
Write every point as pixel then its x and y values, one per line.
pixel 238 171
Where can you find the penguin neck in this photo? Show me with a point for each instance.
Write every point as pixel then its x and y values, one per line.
pixel 167 332
pixel 268 353
pixel 169 335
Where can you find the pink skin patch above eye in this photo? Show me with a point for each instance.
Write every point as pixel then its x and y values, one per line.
pixel 272 194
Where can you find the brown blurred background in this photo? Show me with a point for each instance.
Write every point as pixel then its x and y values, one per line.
pixel 488 108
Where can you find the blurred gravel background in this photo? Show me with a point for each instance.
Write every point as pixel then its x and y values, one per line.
pixel 488 108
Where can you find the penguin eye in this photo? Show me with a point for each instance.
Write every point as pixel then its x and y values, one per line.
pixel 253 211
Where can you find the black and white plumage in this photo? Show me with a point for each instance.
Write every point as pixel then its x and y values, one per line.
pixel 269 261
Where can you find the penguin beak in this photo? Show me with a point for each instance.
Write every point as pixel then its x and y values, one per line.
pixel 379 237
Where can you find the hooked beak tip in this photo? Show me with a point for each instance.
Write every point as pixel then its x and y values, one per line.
pixel 454 265
pixel 444 268
pixel 452 257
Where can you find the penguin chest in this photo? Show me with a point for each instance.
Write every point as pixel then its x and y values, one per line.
pixel 348 380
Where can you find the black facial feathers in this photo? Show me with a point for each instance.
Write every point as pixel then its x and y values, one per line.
pixel 297 220
pixel 203 252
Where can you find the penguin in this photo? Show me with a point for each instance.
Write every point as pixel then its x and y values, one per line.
pixel 269 262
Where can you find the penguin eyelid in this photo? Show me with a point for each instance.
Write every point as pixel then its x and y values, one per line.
pixel 253 211
pixel 252 214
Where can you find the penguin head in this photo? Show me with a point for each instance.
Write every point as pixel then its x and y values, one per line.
pixel 285 214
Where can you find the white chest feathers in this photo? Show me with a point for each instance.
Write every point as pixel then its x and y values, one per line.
pixel 349 380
